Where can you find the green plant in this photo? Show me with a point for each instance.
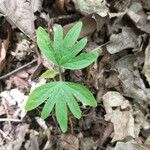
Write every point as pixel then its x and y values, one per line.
pixel 63 52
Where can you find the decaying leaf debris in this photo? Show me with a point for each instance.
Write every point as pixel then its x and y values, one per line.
pixel 119 79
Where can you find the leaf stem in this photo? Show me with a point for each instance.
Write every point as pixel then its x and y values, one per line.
pixel 60 74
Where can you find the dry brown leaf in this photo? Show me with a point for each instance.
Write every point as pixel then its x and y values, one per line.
pixel 130 145
pixel 69 142
pixel 119 5
pixel 121 117
pixel 20 14
pixel 89 143
pixel 89 26
pixel 146 68
pixel 112 99
pixel 87 7
pixel 132 84
pixel 19 138
pixel 137 14
pixel 59 7
pixel 124 40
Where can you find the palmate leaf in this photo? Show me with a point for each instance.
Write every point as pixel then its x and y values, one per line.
pixel 61 95
pixel 73 51
pixel 72 35
pixel 45 44
pixel 64 52
pixel 58 42
pixel 81 61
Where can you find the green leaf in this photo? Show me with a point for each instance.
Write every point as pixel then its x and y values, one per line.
pixel 60 94
pixel 73 51
pixel 73 34
pixel 61 112
pixel 49 74
pixel 39 95
pixel 82 94
pixel 45 44
pixel 58 41
pixel 81 61
pixel 48 108
pixel 72 103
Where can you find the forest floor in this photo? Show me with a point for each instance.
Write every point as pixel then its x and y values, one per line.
pixel 119 79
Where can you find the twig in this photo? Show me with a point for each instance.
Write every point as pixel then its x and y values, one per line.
pixel 4 135
pixel 9 120
pixel 60 74
pixel 18 69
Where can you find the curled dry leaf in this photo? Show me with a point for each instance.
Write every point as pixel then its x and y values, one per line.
pixel 20 14
pixel 89 26
pixel 18 139
pixel 124 40
pixel 112 99
pixel 138 16
pixel 92 6
pixel 121 117
pixel 146 68
pixel 132 84
pixel 130 145
pixel 119 5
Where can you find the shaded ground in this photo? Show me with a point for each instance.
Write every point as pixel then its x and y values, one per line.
pixel 119 79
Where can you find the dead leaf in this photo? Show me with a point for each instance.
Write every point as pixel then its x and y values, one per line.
pixel 87 7
pixel 89 143
pixel 19 137
pixel 146 68
pixel 20 14
pixel 124 40
pixel 137 15
pixel 123 122
pixel 121 117
pixel 130 145
pixel 119 5
pixel 69 142
pixel 112 99
pixel 89 26
pixel 132 84
pixel 59 7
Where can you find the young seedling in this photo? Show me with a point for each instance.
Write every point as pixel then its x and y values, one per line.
pixel 63 52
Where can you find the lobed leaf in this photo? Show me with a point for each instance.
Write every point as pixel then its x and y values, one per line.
pixel 39 95
pixel 72 103
pixel 60 94
pixel 73 34
pixel 82 94
pixel 61 111
pixel 73 51
pixel 81 61
pixel 45 44
pixel 58 41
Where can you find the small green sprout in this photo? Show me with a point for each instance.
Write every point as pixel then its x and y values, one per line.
pixel 61 95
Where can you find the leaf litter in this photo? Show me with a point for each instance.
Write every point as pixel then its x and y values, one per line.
pixel 120 79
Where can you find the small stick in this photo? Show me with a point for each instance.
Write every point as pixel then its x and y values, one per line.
pixel 9 120
pixel 4 135
pixel 18 69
